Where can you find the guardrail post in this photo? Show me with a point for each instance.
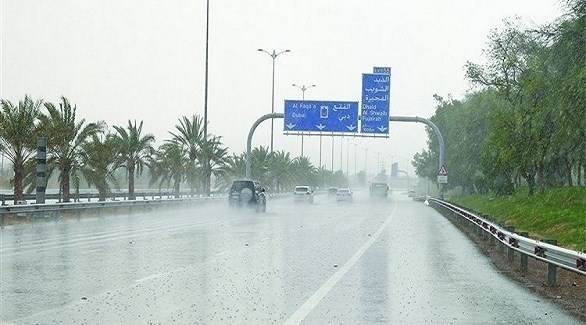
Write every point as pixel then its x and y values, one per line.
pixel 3 198
pixel 2 221
pixel 524 257
pixel 501 244
pixel 510 250
pixel 551 268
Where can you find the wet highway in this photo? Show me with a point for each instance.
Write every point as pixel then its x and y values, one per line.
pixel 362 262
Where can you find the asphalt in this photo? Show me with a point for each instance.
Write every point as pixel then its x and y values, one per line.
pixel 362 262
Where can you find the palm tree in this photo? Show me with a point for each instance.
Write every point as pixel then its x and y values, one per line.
pixel 97 165
pixel 280 169
pixel 170 164
pixel 134 150
pixel 65 137
pixel 305 172
pixel 260 157
pixel 235 169
pixel 213 159
pixel 190 136
pixel 18 133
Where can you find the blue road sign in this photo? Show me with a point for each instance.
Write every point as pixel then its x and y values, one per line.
pixel 383 70
pixel 321 116
pixel 376 90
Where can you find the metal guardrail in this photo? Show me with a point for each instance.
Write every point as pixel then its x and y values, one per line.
pixel 78 206
pixel 4 198
pixel 50 207
pixel 539 250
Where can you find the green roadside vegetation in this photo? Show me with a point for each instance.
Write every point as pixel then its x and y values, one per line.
pixel 557 213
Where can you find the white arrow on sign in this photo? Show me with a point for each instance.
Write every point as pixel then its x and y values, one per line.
pixel 382 128
pixel 350 127
pixel 290 126
pixel 320 126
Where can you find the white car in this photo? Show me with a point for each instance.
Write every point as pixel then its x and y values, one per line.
pixel 303 194
pixel 344 194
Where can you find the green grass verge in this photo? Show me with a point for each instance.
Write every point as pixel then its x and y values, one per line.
pixel 558 213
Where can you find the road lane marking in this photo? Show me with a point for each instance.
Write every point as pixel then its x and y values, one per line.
pixel 152 276
pixel 223 253
pixel 314 300
pixel 90 241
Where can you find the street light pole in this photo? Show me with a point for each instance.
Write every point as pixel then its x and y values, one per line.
pixel 332 154
pixel 205 104
pixel 320 150
pixel 341 155
pixel 355 175
pixel 303 89
pixel 347 158
pixel 366 163
pixel 273 55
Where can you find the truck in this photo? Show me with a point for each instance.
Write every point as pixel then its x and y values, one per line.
pixel 379 189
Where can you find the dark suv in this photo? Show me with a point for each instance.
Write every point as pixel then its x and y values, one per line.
pixel 247 193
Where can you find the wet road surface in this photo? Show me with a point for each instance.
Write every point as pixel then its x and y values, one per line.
pixel 368 261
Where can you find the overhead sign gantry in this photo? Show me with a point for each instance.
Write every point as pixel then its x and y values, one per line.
pixel 342 117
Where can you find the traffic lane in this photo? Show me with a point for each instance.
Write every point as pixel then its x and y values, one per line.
pixel 423 270
pixel 247 267
pixel 46 265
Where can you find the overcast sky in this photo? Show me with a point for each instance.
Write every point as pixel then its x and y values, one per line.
pixel 145 60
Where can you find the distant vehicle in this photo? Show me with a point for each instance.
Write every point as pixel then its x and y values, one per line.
pixel 344 194
pixel 332 191
pixel 379 189
pixel 247 193
pixel 412 193
pixel 303 194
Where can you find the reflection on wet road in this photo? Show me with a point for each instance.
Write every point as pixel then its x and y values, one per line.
pixel 390 261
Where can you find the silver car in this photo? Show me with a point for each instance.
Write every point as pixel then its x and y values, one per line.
pixel 303 194
pixel 344 194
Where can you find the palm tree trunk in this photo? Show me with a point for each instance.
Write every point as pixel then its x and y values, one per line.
pixel 65 185
pixel 18 176
pixel 206 178
pixel 131 183
pixel 101 195
pixel 176 185
pixel 192 182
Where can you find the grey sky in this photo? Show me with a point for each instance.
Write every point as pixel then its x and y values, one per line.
pixel 144 60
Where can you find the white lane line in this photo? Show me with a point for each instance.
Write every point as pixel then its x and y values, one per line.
pixel 314 300
pixel 223 253
pixel 109 239
pixel 152 276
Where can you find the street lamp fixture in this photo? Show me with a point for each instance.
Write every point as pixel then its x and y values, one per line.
pixel 303 89
pixel 273 55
